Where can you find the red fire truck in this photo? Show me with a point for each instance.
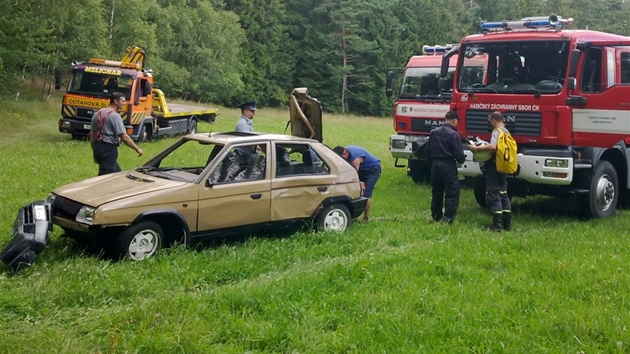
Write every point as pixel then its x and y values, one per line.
pixel 565 95
pixel 419 108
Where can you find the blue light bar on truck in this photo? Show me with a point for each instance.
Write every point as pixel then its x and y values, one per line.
pixel 552 22
pixel 436 49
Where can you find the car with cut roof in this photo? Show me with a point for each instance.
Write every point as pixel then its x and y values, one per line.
pixel 211 185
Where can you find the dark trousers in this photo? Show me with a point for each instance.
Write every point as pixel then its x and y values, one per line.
pixel 106 156
pixel 369 178
pixel 445 191
pixel 497 199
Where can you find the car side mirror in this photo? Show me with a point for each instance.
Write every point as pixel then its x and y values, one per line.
pixel 443 84
pixel 389 91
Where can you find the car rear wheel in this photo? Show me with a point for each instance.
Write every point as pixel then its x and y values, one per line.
pixel 334 217
pixel 140 241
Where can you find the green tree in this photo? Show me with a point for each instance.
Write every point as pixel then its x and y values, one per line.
pixel 195 55
pixel 267 62
pixel 128 25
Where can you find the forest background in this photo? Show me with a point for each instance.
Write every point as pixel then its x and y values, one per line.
pixel 227 52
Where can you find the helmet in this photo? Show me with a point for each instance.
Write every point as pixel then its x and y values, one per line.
pixel 482 156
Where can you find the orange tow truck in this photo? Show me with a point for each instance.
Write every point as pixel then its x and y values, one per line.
pixel 147 114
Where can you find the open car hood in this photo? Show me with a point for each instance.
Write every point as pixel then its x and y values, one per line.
pixel 305 115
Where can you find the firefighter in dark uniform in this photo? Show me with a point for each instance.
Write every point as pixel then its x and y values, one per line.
pixel 444 150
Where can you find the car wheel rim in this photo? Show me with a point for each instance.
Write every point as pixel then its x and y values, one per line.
pixel 143 245
pixel 336 220
pixel 605 193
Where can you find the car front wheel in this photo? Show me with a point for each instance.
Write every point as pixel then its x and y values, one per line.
pixel 334 217
pixel 140 241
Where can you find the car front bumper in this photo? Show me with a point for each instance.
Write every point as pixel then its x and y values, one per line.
pixel 30 234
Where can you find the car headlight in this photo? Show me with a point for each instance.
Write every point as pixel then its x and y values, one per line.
pixel 85 214
pixel 51 198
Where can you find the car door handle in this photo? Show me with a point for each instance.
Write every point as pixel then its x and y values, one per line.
pixel 322 189
pixel 256 196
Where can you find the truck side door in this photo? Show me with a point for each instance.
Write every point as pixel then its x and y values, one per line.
pixel 603 120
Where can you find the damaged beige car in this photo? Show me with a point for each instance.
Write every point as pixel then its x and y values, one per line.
pixel 214 185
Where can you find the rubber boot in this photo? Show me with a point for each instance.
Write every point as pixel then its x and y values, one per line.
pixel 507 221
pixel 497 222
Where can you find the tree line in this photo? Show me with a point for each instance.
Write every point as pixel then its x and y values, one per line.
pixel 227 52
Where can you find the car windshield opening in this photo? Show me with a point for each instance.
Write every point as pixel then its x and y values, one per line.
pixel 184 161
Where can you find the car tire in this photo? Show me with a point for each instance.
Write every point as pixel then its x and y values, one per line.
pixel 139 241
pixel 335 217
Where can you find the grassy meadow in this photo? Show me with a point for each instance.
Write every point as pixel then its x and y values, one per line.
pixel 556 284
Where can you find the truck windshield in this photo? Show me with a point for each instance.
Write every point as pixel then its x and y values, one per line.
pixel 99 85
pixel 423 82
pixel 513 67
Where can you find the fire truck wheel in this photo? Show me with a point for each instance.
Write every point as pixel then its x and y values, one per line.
pixel 479 189
pixel 192 127
pixel 601 200
pixel 419 171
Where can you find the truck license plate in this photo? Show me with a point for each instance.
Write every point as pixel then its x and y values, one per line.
pixel 87 127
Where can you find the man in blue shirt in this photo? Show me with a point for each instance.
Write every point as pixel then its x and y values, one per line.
pixel 368 166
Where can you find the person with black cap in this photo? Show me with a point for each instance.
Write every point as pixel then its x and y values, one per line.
pixel 444 150
pixel 246 122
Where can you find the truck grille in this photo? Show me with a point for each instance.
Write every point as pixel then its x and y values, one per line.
pixel 425 125
pixel 86 113
pixel 518 123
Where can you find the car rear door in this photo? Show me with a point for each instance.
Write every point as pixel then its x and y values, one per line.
pixel 300 181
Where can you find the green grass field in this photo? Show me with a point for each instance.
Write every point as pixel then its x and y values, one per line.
pixel 556 284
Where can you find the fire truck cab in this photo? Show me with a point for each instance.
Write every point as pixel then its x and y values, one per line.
pixel 565 95
pixel 419 108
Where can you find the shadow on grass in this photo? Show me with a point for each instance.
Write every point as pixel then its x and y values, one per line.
pixel 549 207
pixel 103 252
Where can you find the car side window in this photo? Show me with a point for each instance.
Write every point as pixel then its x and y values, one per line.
pixel 241 163
pixel 298 159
